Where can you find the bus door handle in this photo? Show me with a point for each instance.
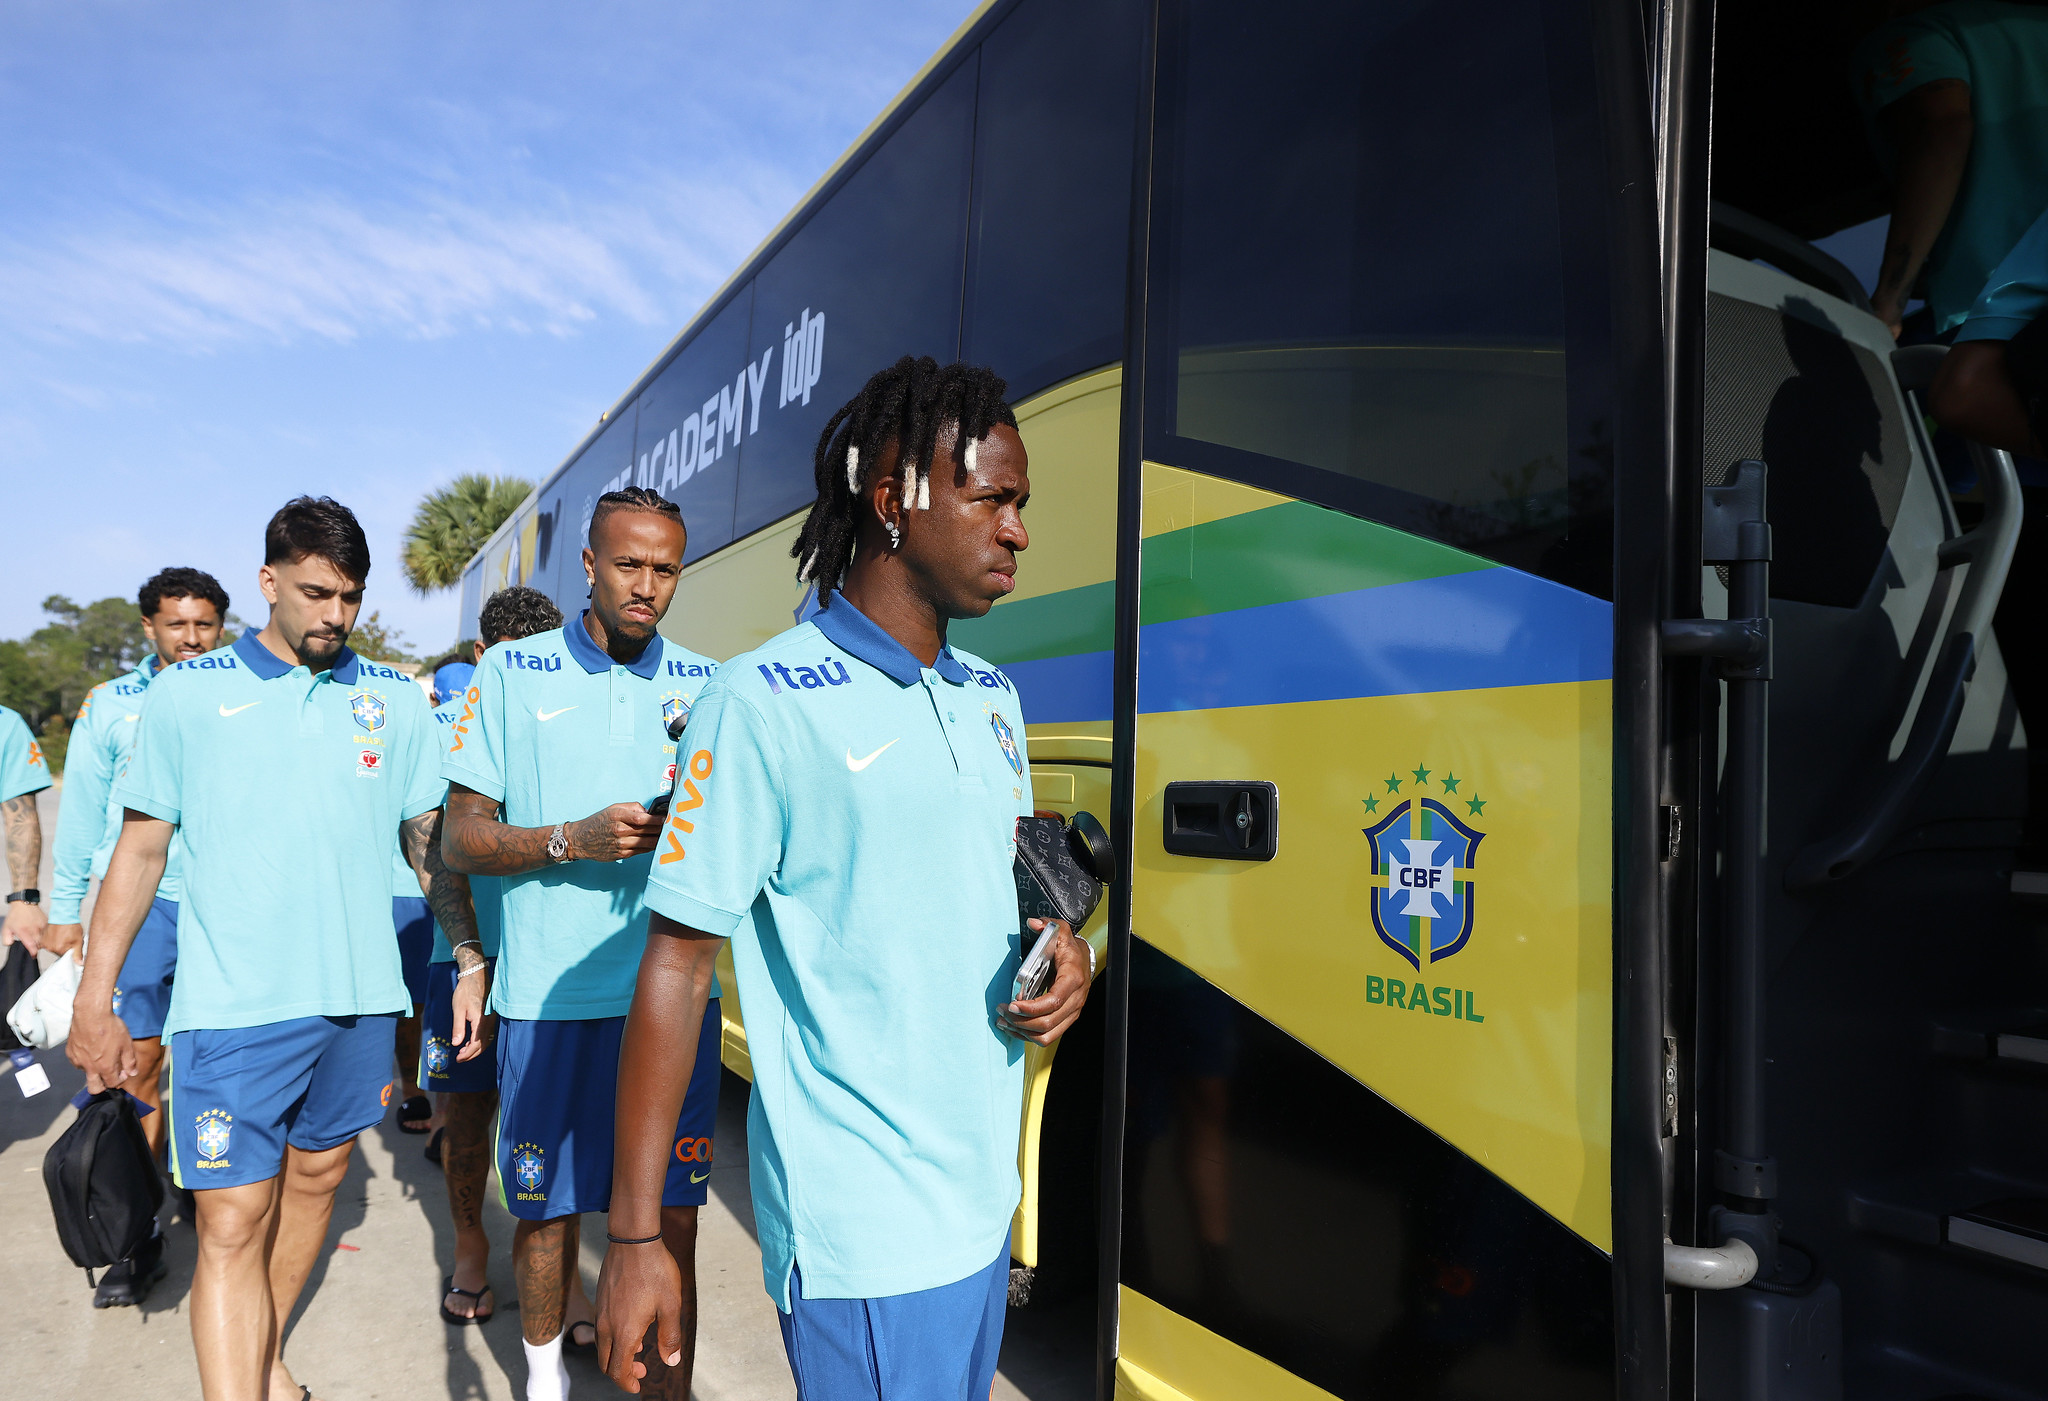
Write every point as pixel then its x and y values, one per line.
pixel 1230 821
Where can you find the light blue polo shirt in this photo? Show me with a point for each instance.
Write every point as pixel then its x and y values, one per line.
pixel 89 822
pixel 849 818
pixel 483 890
pixel 287 787
pixel 562 731
pixel 22 769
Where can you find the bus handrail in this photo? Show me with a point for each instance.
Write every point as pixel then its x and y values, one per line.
pixel 1727 1266
pixel 1987 550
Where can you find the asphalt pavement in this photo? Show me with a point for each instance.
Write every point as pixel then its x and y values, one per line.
pixel 367 1325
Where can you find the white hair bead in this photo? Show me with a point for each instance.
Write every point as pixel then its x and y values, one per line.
pixel 853 469
pixel 968 456
pixel 924 491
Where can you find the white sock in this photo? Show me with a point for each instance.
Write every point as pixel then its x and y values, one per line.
pixel 547 1376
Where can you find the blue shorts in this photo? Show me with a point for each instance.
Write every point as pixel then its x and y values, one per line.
pixel 440 1072
pixel 142 990
pixel 239 1094
pixel 557 1090
pixel 415 923
pixel 937 1344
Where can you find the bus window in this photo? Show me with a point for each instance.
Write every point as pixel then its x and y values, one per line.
pixel 687 443
pixel 881 262
pixel 1366 278
pixel 1052 192
pixel 602 466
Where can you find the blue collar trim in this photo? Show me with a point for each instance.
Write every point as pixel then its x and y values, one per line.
pixel 593 658
pixel 267 667
pixel 851 630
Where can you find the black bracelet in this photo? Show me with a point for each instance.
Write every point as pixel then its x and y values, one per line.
pixel 643 1240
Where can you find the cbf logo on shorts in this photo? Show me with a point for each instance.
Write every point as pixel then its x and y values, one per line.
pixel 212 1131
pixel 368 708
pixel 1423 860
pixel 1007 738
pixel 437 1056
pixel 530 1169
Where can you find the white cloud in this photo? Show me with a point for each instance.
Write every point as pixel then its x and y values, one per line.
pixel 321 266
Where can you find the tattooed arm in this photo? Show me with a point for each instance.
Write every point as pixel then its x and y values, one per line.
pixel 25 922
pixel 475 842
pixel 448 896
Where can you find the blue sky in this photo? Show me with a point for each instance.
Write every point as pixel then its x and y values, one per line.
pixel 254 250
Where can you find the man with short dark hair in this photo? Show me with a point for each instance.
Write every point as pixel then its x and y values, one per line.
pixel 290 769
pixel 573 722
pixel 182 613
pixel 853 788
pixel 456 1060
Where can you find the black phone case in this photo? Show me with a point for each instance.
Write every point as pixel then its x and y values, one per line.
pixel 1051 883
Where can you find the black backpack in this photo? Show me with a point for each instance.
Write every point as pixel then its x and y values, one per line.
pixel 103 1183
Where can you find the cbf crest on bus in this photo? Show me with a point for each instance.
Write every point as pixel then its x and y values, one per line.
pixel 1423 872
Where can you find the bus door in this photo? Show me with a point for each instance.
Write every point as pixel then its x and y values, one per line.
pixel 1365 1120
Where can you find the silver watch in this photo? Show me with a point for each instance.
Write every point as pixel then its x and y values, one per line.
pixel 558 844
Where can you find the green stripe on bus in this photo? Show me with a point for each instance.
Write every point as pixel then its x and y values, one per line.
pixel 1051 625
pixel 1279 554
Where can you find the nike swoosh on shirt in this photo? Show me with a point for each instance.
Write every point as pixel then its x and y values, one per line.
pixel 131 719
pixel 858 764
pixel 699 1177
pixel 546 715
pixel 238 709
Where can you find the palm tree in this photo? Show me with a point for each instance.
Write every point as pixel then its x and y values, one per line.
pixel 452 524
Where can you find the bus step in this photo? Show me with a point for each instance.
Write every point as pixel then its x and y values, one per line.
pixel 2014 1229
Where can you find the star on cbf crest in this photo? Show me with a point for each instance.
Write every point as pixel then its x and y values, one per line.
pixel 1424 866
pixel 368 708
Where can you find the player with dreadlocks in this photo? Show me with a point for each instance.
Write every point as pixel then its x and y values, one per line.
pixel 888 1070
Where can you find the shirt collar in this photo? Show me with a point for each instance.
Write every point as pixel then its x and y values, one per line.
pixel 593 658
pixel 851 630
pixel 268 667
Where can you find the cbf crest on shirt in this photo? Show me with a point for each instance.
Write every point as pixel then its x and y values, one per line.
pixel 556 731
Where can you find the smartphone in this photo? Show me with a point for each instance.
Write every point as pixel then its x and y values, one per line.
pixel 1034 974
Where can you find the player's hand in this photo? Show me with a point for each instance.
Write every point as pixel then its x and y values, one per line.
pixel 468 1030
pixel 1044 1020
pixel 24 925
pixel 100 1045
pixel 1890 312
pixel 638 1288
pixel 619 831
pixel 63 938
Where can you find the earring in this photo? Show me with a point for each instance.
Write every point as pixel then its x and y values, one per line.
pixel 895 534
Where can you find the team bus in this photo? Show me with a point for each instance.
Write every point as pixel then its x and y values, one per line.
pixel 1495 576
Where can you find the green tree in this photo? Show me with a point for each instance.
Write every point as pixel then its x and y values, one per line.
pixel 451 525
pixel 373 639
pixel 45 676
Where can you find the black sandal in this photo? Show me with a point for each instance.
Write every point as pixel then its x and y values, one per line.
pixel 569 1336
pixel 433 1149
pixel 419 1109
pixel 456 1320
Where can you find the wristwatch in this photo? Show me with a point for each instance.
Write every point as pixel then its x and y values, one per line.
pixel 558 844
pixel 30 896
pixel 1091 955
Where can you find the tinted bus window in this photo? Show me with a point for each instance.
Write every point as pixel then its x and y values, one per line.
pixel 874 274
pixel 603 466
pixel 1363 269
pixel 1052 192
pixel 687 444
